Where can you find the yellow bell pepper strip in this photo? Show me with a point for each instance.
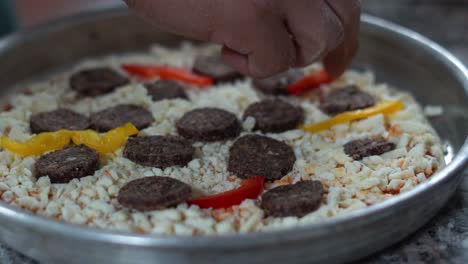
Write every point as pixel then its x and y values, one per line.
pixel 38 144
pixel 109 142
pixel 49 141
pixel 385 107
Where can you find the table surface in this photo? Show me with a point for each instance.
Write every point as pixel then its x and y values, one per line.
pixel 445 238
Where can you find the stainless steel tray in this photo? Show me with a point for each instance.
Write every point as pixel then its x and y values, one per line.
pixel 398 56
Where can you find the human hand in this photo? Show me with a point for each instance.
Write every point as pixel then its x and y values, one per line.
pixel 264 37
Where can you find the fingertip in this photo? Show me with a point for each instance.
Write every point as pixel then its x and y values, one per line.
pixel 260 71
pixel 337 61
pixel 334 72
pixel 236 60
pixel 243 64
pixel 334 65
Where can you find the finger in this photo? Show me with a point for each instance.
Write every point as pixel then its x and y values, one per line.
pixel 339 59
pixel 315 27
pixel 256 40
pixel 237 60
pixel 273 51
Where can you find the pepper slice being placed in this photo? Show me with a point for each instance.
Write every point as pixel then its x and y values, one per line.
pixel 250 189
pixel 109 142
pixel 167 73
pixel 385 107
pixel 38 144
pixel 310 82
pixel 49 141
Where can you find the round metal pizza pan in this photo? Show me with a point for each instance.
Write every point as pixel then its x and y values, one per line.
pixel 397 55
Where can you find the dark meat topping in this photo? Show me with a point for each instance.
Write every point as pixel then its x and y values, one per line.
pixel 208 124
pixel 67 164
pixel 278 84
pixel 97 81
pixel 162 89
pixel 275 115
pixel 346 99
pixel 360 148
pixel 56 120
pixel 297 199
pixel 255 155
pixel 159 151
pixel 153 193
pixel 119 115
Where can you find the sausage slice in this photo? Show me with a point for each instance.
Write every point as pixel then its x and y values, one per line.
pixel 297 199
pixel 365 147
pixel 56 120
pixel 153 193
pixel 208 124
pixel 255 155
pixel 346 99
pixel 119 115
pixel 72 162
pixel 278 84
pixel 163 89
pixel 97 81
pixel 159 151
pixel 274 115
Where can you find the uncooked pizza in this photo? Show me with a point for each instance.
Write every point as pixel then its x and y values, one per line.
pixel 174 141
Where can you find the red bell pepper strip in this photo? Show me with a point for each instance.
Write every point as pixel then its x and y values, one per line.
pixel 310 82
pixel 142 71
pixel 167 73
pixel 250 189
